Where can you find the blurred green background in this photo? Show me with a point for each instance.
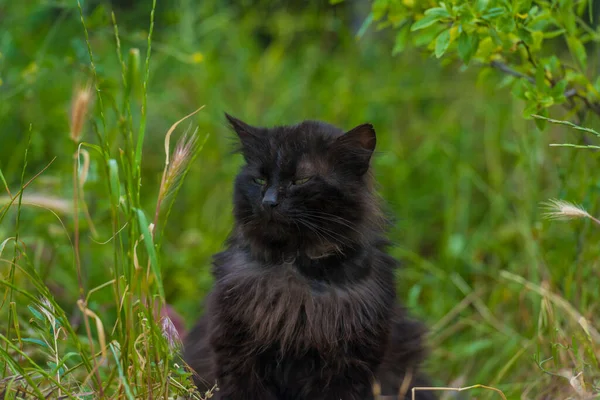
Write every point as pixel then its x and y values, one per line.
pixel 461 171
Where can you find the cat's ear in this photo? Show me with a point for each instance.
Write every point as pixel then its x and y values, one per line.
pixel 242 129
pixel 357 146
pixel 250 142
pixel 362 136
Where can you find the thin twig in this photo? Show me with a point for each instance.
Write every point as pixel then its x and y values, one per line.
pixel 500 66
pixel 508 70
pixel 567 123
pixel 529 57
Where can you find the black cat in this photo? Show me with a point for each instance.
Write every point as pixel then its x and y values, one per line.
pixel 304 305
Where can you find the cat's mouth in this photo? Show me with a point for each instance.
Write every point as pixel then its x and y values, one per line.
pixel 272 214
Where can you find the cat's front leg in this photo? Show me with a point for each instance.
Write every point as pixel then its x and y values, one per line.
pixel 242 388
pixel 344 389
pixel 239 379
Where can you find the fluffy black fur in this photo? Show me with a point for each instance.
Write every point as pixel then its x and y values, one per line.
pixel 304 305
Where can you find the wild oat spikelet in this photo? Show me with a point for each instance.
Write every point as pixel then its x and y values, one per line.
pixel 563 210
pixel 183 153
pixel 79 109
pixel 170 333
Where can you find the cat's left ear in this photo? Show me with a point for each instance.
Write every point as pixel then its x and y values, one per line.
pixel 357 146
pixel 363 136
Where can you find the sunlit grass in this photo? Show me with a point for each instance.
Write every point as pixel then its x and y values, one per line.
pixel 86 354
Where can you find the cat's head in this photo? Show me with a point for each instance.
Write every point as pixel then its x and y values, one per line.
pixel 304 188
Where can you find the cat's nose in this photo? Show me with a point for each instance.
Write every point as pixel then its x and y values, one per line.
pixel 270 198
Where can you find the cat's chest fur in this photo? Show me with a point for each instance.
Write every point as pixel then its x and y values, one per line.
pixel 280 304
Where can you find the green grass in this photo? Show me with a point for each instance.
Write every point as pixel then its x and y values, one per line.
pixel 502 289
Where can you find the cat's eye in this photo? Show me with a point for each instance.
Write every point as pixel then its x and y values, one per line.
pixel 301 181
pixel 260 181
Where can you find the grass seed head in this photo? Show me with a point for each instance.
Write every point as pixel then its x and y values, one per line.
pixel 170 333
pixel 561 209
pixel 79 109
pixel 183 153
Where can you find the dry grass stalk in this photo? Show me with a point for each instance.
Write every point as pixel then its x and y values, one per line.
pixel 56 204
pixel 592 333
pixel 462 389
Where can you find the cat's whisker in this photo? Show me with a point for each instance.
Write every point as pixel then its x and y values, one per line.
pixel 317 212
pixel 331 218
pixel 332 234
pixel 328 219
pixel 312 229
pixel 297 226
pixel 360 237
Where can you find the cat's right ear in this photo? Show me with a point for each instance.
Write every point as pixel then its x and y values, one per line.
pixel 244 131
pixel 249 144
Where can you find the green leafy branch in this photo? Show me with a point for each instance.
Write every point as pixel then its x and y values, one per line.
pixel 513 37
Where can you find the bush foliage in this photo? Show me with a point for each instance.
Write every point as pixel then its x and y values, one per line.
pixel 521 38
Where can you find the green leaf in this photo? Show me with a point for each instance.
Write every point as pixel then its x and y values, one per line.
pixel 413 295
pixel 467 46
pixel 365 25
pixel 530 108
pixel 540 76
pixel 116 350
pixel 133 71
pixel 401 39
pixel 438 11
pixel 475 347
pixel 442 42
pixel 149 242
pixel 568 21
pixel 597 84
pixel 36 341
pixel 115 187
pixel 523 6
pixel 424 22
pixel 578 51
pixel 506 81
pixel 379 9
pixel 546 101
pixel 537 38
pixel 4 243
pixel 36 313
pixel 494 12
pixel 432 16
pixel 519 89
pixel 94 147
pixel 481 5
pixel 541 123
pixel 494 36
pixel 558 91
pixel 426 37
pixel 525 36
pixel 553 34
pixel 506 24
pixel 465 14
